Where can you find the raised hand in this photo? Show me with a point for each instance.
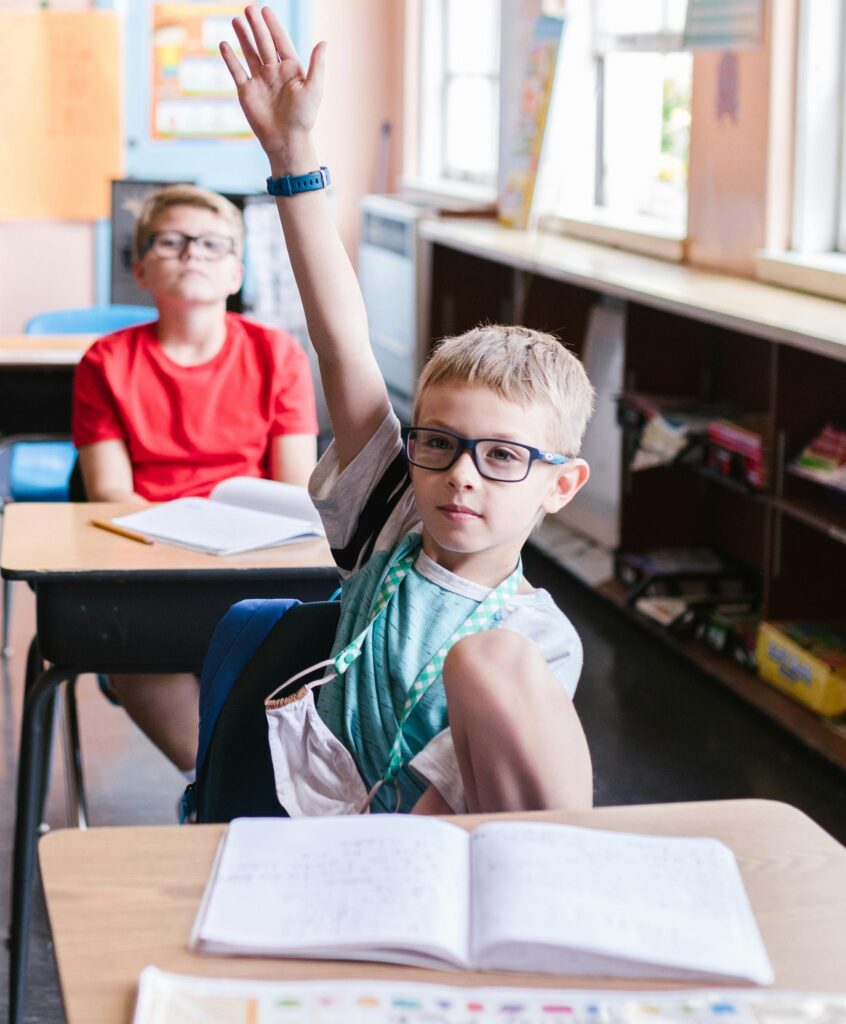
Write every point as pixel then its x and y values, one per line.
pixel 279 100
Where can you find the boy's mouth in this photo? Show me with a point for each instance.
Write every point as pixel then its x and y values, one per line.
pixel 458 512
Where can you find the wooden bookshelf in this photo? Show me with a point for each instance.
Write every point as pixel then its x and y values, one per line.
pixel 716 341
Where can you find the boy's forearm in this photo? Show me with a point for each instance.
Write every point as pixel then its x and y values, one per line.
pixel 337 321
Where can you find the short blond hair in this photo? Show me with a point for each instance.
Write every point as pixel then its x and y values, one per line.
pixel 164 198
pixel 522 366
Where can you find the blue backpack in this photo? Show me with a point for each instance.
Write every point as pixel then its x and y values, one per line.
pixel 237 637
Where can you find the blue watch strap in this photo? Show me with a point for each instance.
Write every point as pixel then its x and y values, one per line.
pixel 291 185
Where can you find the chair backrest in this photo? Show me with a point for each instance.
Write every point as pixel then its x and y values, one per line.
pixel 90 319
pixel 264 647
pixel 40 470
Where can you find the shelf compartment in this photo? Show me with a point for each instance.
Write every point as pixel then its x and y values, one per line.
pixel 825 737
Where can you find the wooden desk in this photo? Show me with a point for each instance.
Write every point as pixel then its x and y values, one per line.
pixel 43 350
pixel 119 899
pixel 108 604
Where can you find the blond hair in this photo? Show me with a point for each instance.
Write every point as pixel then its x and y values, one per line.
pixel 163 199
pixel 522 366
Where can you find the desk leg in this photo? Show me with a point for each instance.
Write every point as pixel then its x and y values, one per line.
pixel 38 702
pixel 75 785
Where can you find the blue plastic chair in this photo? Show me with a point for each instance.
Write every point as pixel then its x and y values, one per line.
pixel 90 320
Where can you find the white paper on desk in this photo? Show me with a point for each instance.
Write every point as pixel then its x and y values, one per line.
pixel 164 997
pixel 241 514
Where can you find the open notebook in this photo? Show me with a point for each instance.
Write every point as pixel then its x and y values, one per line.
pixel 240 514
pixel 514 896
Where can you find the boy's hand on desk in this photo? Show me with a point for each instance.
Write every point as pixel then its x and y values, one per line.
pixel 279 100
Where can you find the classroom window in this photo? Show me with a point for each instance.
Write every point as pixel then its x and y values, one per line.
pixel 459 93
pixel 619 129
pixel 819 209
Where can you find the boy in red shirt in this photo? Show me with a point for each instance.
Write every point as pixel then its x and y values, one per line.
pixel 169 409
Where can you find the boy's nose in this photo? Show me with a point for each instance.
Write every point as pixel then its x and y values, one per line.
pixel 463 471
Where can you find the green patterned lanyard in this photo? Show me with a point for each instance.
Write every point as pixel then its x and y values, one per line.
pixel 487 609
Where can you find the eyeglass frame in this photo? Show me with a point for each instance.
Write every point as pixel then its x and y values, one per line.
pixel 468 444
pixel 187 239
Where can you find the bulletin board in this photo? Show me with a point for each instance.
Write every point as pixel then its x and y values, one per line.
pixel 60 116
pixel 193 95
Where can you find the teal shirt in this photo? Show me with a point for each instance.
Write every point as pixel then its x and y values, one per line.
pixel 363 707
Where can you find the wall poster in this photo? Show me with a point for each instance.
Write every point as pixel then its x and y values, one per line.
pixel 193 95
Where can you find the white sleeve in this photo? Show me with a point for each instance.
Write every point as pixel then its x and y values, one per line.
pixel 370 504
pixel 437 764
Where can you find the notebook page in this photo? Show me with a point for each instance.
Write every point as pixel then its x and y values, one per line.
pixel 202 525
pixel 271 496
pixel 299 886
pixel 671 901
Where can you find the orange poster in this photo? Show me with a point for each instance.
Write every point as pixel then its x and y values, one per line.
pixel 59 114
pixel 193 95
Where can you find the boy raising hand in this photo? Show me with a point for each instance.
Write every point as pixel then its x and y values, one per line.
pixel 453 677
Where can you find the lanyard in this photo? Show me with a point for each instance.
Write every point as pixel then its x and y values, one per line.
pixel 487 609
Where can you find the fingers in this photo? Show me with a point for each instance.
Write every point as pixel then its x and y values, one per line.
pixel 317 68
pixel 251 56
pixel 261 33
pixel 239 75
pixel 279 34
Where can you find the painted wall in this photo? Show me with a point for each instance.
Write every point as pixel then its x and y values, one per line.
pixel 45 264
pixel 741 117
pixel 50 265
pixel 364 90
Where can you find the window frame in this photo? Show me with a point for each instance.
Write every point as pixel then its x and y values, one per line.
pixel 426 164
pixel 819 162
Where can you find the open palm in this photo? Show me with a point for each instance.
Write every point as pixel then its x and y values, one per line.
pixel 278 99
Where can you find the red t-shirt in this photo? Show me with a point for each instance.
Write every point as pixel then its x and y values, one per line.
pixel 189 427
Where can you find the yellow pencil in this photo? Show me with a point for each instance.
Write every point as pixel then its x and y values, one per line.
pixel 104 524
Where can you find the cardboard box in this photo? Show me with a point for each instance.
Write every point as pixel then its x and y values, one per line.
pixel 805 661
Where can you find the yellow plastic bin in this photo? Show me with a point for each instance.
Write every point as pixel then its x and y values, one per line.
pixel 807 661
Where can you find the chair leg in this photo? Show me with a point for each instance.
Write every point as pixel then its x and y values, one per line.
pixel 31 766
pixel 74 780
pixel 34 668
pixel 7 650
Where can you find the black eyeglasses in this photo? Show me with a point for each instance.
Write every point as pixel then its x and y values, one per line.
pixel 172 245
pixel 494 458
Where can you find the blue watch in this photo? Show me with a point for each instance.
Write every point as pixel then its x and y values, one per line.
pixel 293 184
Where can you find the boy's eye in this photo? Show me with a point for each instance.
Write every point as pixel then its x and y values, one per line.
pixel 501 454
pixel 169 242
pixel 214 245
pixel 438 442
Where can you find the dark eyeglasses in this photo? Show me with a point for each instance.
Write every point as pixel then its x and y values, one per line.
pixel 494 458
pixel 172 245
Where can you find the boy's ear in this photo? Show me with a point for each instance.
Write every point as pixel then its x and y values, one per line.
pixel 237 276
pixel 570 479
pixel 138 273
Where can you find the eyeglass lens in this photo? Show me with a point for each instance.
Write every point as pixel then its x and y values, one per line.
pixel 497 460
pixel 172 244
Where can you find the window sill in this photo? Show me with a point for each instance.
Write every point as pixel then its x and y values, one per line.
pixel 820 273
pixel 446 194
pixel 646 235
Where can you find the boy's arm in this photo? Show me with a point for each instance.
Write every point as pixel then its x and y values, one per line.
pixel 107 472
pixel 281 104
pixel 293 458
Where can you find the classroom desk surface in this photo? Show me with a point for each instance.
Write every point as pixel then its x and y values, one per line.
pixel 52 539
pixel 43 350
pixel 105 603
pixel 121 898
